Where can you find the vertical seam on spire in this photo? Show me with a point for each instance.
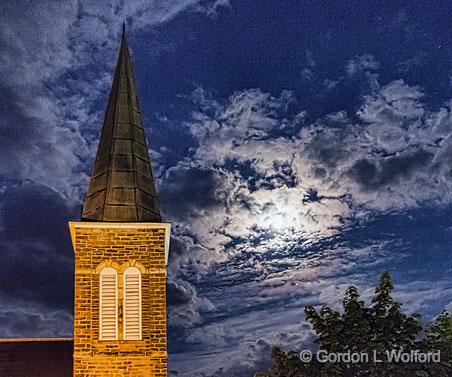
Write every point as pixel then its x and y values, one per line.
pixel 116 78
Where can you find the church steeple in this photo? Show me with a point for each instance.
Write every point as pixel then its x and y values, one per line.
pixel 121 187
pixel 121 249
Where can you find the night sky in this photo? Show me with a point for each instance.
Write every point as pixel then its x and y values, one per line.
pixel 298 147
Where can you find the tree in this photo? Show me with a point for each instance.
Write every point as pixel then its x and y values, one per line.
pixel 390 328
pixel 361 329
pixel 380 327
pixel 439 337
pixel 340 333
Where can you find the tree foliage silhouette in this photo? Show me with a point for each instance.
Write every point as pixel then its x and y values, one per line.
pixel 374 330
pixel 439 336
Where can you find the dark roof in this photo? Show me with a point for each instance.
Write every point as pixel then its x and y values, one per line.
pixel 121 187
pixel 36 357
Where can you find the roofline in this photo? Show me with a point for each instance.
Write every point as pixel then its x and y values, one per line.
pixel 23 340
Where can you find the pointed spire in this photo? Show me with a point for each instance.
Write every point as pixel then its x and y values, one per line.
pixel 121 187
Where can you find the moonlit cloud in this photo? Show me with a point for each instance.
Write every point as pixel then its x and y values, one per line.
pixel 255 176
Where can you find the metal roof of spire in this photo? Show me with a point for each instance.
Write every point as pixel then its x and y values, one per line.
pixel 121 187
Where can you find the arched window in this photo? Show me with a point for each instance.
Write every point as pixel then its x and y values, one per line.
pixel 108 315
pixel 132 304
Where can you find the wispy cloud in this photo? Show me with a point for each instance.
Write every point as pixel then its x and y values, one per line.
pixel 361 63
pixel 55 66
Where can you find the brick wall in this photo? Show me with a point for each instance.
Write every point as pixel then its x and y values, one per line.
pixel 118 246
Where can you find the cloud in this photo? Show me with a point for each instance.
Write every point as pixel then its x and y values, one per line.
pixel 372 176
pixel 419 296
pixel 55 67
pixel 259 201
pixel 31 249
pixel 209 336
pixel 361 63
pixel 329 84
pixel 36 273
pixel 396 106
pixel 184 305
pixel 211 8
pixel 37 144
pixel 256 169
pixel 185 182
pixel 242 339
pixel 35 322
pixel 307 74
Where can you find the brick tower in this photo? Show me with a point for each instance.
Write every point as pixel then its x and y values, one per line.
pixel 121 249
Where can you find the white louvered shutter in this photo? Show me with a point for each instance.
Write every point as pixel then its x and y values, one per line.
pixel 132 304
pixel 108 304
